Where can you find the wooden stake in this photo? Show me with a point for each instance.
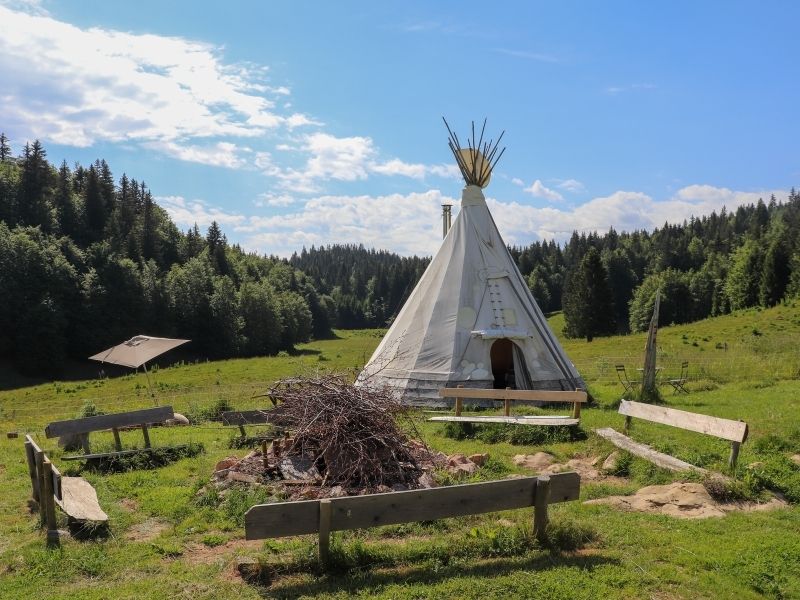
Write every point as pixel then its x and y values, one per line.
pixel 540 508
pixel 734 456
pixel 117 441
pixel 627 425
pixel 40 481
pixel 146 435
pixel 264 454
pixel 32 469
pixel 49 502
pixel 324 531
pixel 459 403
pixel 242 431
pixel 507 405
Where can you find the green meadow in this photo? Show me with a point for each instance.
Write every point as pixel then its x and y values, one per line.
pixel 169 539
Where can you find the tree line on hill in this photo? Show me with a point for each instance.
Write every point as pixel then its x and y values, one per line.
pixel 704 267
pixel 87 261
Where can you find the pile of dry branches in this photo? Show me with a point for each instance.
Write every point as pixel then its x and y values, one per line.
pixel 350 432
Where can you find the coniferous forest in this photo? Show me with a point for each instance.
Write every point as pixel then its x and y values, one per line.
pixel 88 259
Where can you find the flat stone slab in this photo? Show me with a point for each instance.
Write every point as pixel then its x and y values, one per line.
pixel 79 500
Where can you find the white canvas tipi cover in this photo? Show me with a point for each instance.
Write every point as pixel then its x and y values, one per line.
pixel 471 296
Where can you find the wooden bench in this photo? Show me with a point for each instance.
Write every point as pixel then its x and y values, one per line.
pixel 507 396
pixel 76 496
pixel 240 418
pixel 727 429
pixel 360 512
pixel 114 422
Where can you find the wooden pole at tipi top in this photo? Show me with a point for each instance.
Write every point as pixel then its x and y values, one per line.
pixel 649 374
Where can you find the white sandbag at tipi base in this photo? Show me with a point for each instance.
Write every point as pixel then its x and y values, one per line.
pixel 471 320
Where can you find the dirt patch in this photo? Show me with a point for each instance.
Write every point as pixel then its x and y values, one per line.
pixel 224 554
pixel 146 531
pixel 588 467
pixel 128 505
pixel 683 500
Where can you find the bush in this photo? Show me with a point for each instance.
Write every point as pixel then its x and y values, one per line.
pixel 530 435
pixel 89 409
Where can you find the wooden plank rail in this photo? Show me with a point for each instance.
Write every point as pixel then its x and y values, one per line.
pixel 733 431
pixel 520 420
pixel 103 422
pixel 361 512
pixel 240 418
pixel 114 422
pixel 507 396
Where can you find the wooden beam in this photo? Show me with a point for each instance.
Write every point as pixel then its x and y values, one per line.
pixel 358 512
pixel 117 441
pixel 324 531
pixel 146 436
pixel 524 395
pixel 734 456
pixel 49 503
pixel 515 420
pixel 39 457
pixel 727 429
pixel 541 500
pixel 665 461
pixel 31 458
pixel 245 417
pixel 103 422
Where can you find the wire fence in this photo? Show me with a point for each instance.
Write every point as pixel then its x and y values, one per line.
pixel 66 401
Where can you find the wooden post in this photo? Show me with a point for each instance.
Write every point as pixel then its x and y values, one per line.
pixel 576 410
pixel 264 454
pixel 276 447
pixel 459 403
pixel 540 508
pixel 87 449
pixel 146 435
pixel 40 482
pixel 32 469
pixel 627 425
pixel 242 431
pixel 734 456
pixel 324 531
pixel 507 405
pixel 117 441
pixel 49 502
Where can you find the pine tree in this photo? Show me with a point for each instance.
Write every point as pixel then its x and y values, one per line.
pixel 588 305
pixel 95 207
pixel 35 188
pixel 65 203
pixel 5 149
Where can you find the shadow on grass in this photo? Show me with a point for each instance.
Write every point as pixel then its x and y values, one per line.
pixel 354 581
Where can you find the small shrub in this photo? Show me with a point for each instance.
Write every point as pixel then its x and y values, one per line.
pixel 529 435
pixel 732 490
pixel 89 409
pixel 213 539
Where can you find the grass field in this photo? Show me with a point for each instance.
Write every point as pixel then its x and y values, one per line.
pixel 166 542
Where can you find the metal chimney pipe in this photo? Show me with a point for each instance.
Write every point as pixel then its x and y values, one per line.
pixel 447 219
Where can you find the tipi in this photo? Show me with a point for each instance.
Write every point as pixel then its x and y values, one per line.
pixel 471 320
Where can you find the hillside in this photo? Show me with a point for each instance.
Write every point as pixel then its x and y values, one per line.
pixel 164 539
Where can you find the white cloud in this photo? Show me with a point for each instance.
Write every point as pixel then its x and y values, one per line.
pixel 185 213
pixel 78 86
pixel 518 181
pixel 300 120
pixel 411 223
pixel 281 200
pixel 414 170
pixel 618 89
pixel 221 154
pixel 538 189
pixel 570 185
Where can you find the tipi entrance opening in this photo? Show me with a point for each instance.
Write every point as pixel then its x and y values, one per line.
pixel 502 357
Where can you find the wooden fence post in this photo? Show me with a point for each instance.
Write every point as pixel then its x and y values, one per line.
pixel 49 502
pixel 264 454
pixel 459 403
pixel 540 508
pixel 507 405
pixel 576 408
pixel 627 425
pixel 41 485
pixel 734 456
pixel 117 441
pixel 32 469
pixel 324 531
pixel 146 435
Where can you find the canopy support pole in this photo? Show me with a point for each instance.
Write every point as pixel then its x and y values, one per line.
pixel 149 385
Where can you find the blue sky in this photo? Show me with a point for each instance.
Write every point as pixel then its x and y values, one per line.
pixel 310 123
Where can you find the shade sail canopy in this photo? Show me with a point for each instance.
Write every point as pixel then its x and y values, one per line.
pixel 137 351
